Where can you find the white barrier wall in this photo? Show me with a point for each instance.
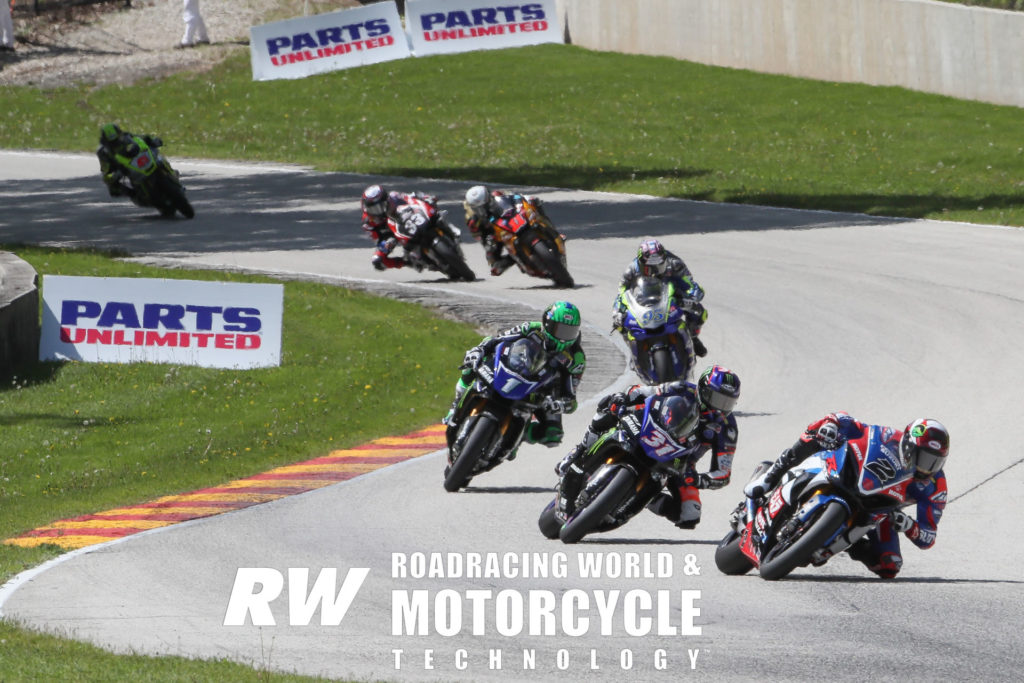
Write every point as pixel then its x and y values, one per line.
pixel 965 52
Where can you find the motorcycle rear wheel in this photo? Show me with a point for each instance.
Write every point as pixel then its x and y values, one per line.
pixel 548 522
pixel 591 515
pixel 551 262
pixel 482 433
pixel 729 559
pixel 781 560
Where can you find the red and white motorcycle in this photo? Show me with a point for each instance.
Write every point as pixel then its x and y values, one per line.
pixel 429 240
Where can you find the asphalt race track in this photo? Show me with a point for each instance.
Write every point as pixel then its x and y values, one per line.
pixel 887 319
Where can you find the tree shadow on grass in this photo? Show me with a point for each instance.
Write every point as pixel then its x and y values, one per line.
pixel 579 177
pixel 894 206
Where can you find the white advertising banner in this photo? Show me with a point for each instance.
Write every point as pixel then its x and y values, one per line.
pixel 446 26
pixel 297 48
pixel 184 322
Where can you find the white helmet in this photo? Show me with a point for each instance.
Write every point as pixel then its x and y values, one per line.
pixel 478 197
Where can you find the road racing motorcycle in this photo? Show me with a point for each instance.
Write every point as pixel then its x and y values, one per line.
pixel 654 328
pixel 534 243
pixel 149 180
pixel 429 240
pixel 819 508
pixel 492 417
pixel 624 470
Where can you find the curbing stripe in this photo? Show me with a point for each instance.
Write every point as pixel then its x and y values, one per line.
pixel 340 465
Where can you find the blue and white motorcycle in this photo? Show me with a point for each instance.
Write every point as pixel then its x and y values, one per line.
pixel 653 325
pixel 492 417
pixel 818 509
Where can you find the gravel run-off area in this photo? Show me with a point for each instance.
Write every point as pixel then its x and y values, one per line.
pixel 111 43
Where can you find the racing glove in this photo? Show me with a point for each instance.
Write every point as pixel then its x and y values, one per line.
pixel 472 358
pixel 901 522
pixel 613 403
pixel 827 436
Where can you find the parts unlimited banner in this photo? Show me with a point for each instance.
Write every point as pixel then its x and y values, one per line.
pixel 185 322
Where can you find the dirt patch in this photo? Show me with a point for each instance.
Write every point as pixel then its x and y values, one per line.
pixel 110 43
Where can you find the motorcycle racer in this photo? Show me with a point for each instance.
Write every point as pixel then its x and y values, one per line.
pixel 484 206
pixel 116 142
pixel 379 206
pixel 714 397
pixel 923 446
pixel 558 332
pixel 653 259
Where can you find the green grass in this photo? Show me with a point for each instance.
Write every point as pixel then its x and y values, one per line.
pixel 82 437
pixel 564 116
pixel 28 656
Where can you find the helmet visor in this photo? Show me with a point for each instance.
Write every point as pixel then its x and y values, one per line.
pixel 929 462
pixel 563 332
pixel 719 401
pixel 376 208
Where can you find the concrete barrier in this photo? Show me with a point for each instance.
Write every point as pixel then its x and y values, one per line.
pixel 965 52
pixel 19 313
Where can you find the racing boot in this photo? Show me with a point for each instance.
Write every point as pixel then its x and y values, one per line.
pixel 572 476
pixel 502 264
pixel 698 347
pixel 689 513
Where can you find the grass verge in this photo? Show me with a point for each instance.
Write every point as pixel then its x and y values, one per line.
pixel 564 116
pixel 84 437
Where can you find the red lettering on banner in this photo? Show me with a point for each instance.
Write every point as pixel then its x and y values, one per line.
pixel 484 31
pixel 248 341
pixel 77 338
pixel 153 338
pixel 94 336
pixel 202 339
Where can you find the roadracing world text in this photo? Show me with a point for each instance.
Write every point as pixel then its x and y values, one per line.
pixel 642 599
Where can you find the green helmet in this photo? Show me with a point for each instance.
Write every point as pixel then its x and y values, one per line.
pixel 110 132
pixel 561 324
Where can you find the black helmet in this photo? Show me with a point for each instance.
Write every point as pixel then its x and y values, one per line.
pixel 678 415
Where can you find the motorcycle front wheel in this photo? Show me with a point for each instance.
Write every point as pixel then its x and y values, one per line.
pixel 551 263
pixel 454 267
pixel 588 518
pixel 798 548
pixel 175 196
pixel 482 434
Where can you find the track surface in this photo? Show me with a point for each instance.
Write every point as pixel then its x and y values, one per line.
pixel 887 319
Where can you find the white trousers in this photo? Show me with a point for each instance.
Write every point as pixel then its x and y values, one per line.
pixel 195 28
pixel 6 25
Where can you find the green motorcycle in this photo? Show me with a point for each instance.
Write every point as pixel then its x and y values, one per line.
pixel 147 177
